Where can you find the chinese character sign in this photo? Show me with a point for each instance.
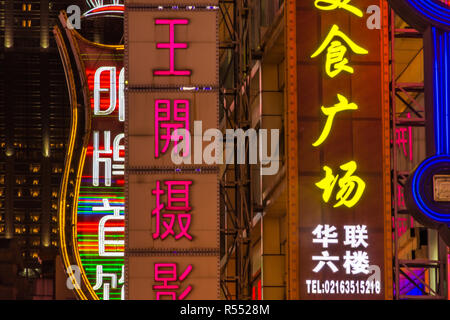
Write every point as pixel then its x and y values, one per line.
pixel 173 210
pixel 100 222
pixel 342 150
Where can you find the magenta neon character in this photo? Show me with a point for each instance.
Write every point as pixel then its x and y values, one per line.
pixel 172 45
pixel 402 140
pixel 169 122
pixel 165 273
pixel 177 200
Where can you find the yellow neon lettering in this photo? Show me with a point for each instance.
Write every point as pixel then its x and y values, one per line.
pixel 327 183
pixel 335 60
pixel 348 184
pixel 351 187
pixel 338 4
pixel 331 112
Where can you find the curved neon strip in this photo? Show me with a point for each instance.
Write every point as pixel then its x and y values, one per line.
pixel 416 194
pixel 75 231
pixel 116 8
pixel 73 130
pixel 436 12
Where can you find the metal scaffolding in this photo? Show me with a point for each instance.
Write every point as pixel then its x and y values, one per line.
pixel 236 208
pixel 424 275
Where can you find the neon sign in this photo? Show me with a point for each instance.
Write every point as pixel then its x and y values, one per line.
pixel 433 18
pixel 344 214
pixel 172 228
pixel 92 196
pixel 100 222
pixel 335 63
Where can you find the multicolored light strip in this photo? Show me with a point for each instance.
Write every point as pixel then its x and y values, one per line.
pixel 91 197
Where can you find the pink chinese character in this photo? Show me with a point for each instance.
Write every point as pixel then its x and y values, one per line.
pixel 165 273
pixel 177 200
pixel 403 141
pixel 165 121
pixel 401 226
pixel 400 197
pixel 172 45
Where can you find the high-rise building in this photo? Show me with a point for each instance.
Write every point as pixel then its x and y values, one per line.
pixel 34 126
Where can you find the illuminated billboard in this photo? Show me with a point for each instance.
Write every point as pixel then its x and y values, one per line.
pixel 338 166
pixel 172 222
pixel 91 208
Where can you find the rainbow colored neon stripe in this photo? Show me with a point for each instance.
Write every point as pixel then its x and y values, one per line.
pixel 87 227
pixel 91 197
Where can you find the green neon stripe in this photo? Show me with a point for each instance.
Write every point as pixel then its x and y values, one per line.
pixel 101 260
pixel 104 264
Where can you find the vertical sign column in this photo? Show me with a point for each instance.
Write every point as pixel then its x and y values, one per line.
pixel 172 222
pixel 343 150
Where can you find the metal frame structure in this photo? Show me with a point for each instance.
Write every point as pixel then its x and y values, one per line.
pixel 236 199
pixel 412 91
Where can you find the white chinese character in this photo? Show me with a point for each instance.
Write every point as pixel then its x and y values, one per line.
pixel 356 262
pixel 100 275
pixel 107 153
pixel 325 258
pixel 325 235
pixel 112 92
pixel 356 236
pixel 102 230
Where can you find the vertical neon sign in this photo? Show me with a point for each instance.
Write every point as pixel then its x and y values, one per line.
pixel 100 223
pixel 172 229
pixel 342 122
pixel 91 210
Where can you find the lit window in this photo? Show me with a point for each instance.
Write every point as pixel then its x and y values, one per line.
pixel 35 193
pixel 19 230
pixel 35 168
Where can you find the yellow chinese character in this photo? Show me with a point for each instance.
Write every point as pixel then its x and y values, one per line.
pixel 351 187
pixel 335 61
pixel 330 112
pixel 337 4
pixel 327 183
